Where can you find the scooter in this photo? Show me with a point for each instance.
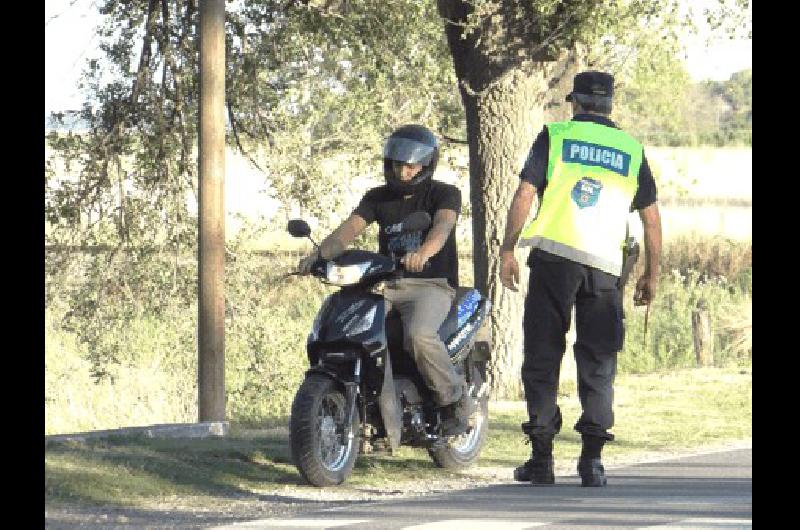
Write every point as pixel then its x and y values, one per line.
pixel 363 393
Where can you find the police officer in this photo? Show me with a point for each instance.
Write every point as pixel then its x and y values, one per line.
pixel 588 175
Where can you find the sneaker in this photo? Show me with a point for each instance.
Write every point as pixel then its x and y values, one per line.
pixel 592 472
pixel 456 416
pixel 538 472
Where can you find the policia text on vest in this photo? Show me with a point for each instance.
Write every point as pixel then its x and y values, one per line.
pixel 596 155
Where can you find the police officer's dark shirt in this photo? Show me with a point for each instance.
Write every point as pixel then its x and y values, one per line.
pixel 535 169
pixel 388 208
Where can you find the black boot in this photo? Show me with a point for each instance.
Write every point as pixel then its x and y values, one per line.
pixel 539 469
pixel 592 472
pixel 590 465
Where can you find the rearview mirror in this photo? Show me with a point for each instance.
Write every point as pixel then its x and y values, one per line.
pixel 298 228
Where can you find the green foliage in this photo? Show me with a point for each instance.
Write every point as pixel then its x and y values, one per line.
pixel 655 100
pixel 344 82
pixel 712 268
pixel 642 43
pixel 668 343
pixel 660 106
pixel 336 93
pixel 307 82
pixel 267 323
pixel 715 113
pixel 137 337
pixel 118 289
pixel 731 18
pixel 649 100
pixel 733 123
pixel 153 382
pixel 304 84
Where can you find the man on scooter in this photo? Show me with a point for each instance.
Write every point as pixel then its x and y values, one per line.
pixel 424 295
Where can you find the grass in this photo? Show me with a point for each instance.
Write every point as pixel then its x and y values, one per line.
pixel 659 413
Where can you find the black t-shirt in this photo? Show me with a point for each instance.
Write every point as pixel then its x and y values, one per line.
pixel 388 208
pixel 535 169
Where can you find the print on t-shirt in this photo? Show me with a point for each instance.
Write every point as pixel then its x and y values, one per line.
pixel 405 243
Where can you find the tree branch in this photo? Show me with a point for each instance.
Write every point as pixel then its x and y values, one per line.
pixel 144 59
pixel 232 119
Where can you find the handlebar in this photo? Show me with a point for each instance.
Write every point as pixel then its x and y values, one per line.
pixel 400 261
pixel 392 266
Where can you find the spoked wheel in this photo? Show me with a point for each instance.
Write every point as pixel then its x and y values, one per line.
pixel 319 448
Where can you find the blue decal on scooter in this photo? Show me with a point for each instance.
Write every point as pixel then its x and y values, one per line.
pixel 467 306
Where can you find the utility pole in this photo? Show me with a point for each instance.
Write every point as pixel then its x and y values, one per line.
pixel 211 245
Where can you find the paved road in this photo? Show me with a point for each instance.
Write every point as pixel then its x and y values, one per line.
pixel 704 491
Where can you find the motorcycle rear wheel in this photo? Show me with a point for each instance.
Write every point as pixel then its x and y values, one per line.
pixel 318 449
pixel 463 451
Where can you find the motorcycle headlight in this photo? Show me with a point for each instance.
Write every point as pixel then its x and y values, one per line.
pixel 345 274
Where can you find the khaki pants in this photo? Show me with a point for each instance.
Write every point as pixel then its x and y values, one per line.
pixel 423 304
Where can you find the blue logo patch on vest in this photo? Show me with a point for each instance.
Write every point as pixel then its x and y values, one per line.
pixel 586 192
pixel 596 155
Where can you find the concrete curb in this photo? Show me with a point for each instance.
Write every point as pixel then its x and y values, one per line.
pixel 167 430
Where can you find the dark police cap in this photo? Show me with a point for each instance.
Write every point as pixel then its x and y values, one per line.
pixel 592 83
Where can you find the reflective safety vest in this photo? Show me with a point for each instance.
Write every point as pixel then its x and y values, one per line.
pixel 592 177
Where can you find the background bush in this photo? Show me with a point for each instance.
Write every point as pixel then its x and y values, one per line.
pixel 694 267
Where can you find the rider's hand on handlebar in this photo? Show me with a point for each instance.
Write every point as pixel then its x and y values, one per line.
pixel 305 264
pixel 414 261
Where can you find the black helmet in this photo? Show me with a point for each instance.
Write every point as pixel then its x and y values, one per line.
pixel 412 144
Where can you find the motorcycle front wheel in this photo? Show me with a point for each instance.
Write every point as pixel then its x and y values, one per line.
pixel 320 451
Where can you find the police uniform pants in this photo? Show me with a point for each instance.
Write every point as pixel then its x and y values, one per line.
pixel 556 284
pixel 423 304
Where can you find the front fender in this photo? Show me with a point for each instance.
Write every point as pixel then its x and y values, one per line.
pixel 348 320
pixel 324 371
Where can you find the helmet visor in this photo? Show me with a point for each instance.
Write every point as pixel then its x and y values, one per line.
pixel 408 151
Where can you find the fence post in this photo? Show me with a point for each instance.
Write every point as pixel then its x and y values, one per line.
pixel 701 332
